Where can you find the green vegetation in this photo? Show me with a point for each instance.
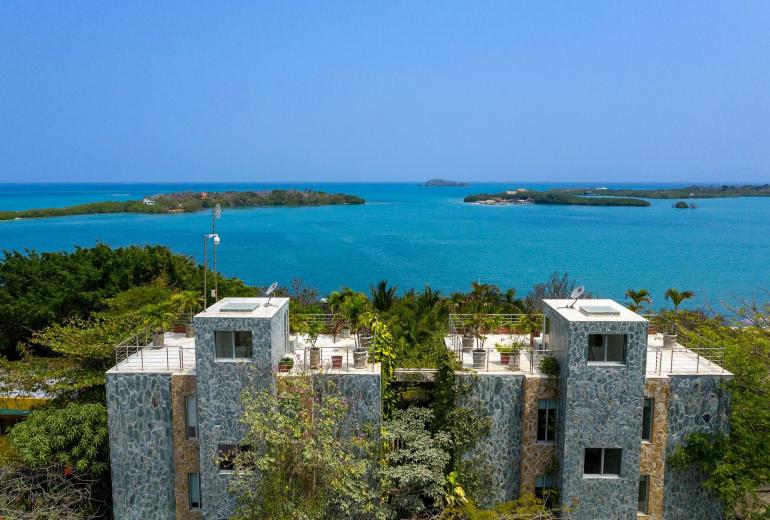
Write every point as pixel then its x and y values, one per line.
pixel 639 299
pixel 700 192
pixel 189 201
pixel 442 183
pixel 557 197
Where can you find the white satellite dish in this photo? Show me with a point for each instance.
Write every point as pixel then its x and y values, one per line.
pixel 269 293
pixel 577 292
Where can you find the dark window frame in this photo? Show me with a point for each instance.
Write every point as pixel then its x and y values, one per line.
pixel 603 470
pixel 191 429
pixel 545 489
pixel 604 347
pixel 225 458
pixel 231 350
pixel 546 433
pixel 648 418
pixel 190 502
pixel 643 504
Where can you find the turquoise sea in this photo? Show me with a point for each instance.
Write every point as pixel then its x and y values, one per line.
pixel 413 235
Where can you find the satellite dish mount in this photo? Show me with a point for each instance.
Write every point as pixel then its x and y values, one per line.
pixel 269 293
pixel 577 292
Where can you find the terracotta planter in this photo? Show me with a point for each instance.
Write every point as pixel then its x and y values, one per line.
pixel 336 361
pixel 359 358
pixel 284 367
pixel 315 357
pixel 505 358
pixel 479 359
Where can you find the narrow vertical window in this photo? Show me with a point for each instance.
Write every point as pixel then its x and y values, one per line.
pixel 545 489
pixel 191 416
pixel 194 490
pixel 644 494
pixel 546 420
pixel 647 419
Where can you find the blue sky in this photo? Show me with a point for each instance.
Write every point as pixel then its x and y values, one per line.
pixel 360 91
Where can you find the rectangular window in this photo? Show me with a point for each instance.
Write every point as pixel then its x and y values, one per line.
pixel 545 489
pixel 231 344
pixel 194 490
pixel 647 419
pixel 226 456
pixel 607 348
pixel 191 416
pixel 644 494
pixel 546 420
pixel 602 461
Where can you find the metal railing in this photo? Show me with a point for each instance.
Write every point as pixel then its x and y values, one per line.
pixel 137 352
pixel 331 362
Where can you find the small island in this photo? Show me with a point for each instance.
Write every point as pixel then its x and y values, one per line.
pixel 692 192
pixel 524 196
pixel 186 202
pixel 441 183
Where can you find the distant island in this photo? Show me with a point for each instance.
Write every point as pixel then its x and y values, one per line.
pixel 558 197
pixel 186 202
pixel 441 183
pixel 694 191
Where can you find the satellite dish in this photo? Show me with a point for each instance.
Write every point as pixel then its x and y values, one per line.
pixel 577 292
pixel 269 293
pixel 217 211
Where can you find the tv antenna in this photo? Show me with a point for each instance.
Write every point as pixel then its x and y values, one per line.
pixel 269 293
pixel 577 292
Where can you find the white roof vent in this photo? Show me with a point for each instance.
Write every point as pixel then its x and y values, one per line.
pixel 239 307
pixel 599 310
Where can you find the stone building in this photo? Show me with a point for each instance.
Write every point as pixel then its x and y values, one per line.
pixel 595 438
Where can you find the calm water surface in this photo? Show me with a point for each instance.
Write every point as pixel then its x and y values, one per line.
pixel 411 236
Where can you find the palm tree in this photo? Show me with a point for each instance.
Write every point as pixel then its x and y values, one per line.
pixel 677 297
pixel 383 297
pixel 639 298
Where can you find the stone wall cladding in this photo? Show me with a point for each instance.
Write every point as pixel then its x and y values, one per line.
pixel 141 445
pixel 691 398
pixel 599 407
pixel 499 397
pixel 186 453
pixel 362 394
pixel 653 454
pixel 536 458
pixel 220 385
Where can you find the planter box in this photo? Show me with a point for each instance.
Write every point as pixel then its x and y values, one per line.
pixel 468 342
pixel 505 359
pixel 336 361
pixel 189 330
pixel 365 341
pixel 158 339
pixel 669 340
pixel 284 368
pixel 315 357
pixel 359 358
pixel 515 363
pixel 479 359
pixel 345 332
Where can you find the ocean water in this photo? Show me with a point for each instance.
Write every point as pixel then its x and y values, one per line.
pixel 413 235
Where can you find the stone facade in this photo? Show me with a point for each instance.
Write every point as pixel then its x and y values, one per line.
pixel 599 407
pixel 653 454
pixel 362 393
pixel 696 404
pixel 536 458
pixel 499 397
pixel 186 453
pixel 220 384
pixel 141 445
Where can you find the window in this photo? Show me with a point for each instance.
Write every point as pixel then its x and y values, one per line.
pixel 545 489
pixel 647 419
pixel 226 456
pixel 191 416
pixel 546 420
pixel 232 344
pixel 607 348
pixel 602 461
pixel 644 494
pixel 194 490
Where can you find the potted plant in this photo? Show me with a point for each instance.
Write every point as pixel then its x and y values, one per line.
pixel 483 324
pixel 188 302
pixel 286 363
pixel 336 361
pixel 364 341
pixel 510 354
pixel 469 335
pixel 158 318
pixel 314 329
pixel 676 297
pixel 531 324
